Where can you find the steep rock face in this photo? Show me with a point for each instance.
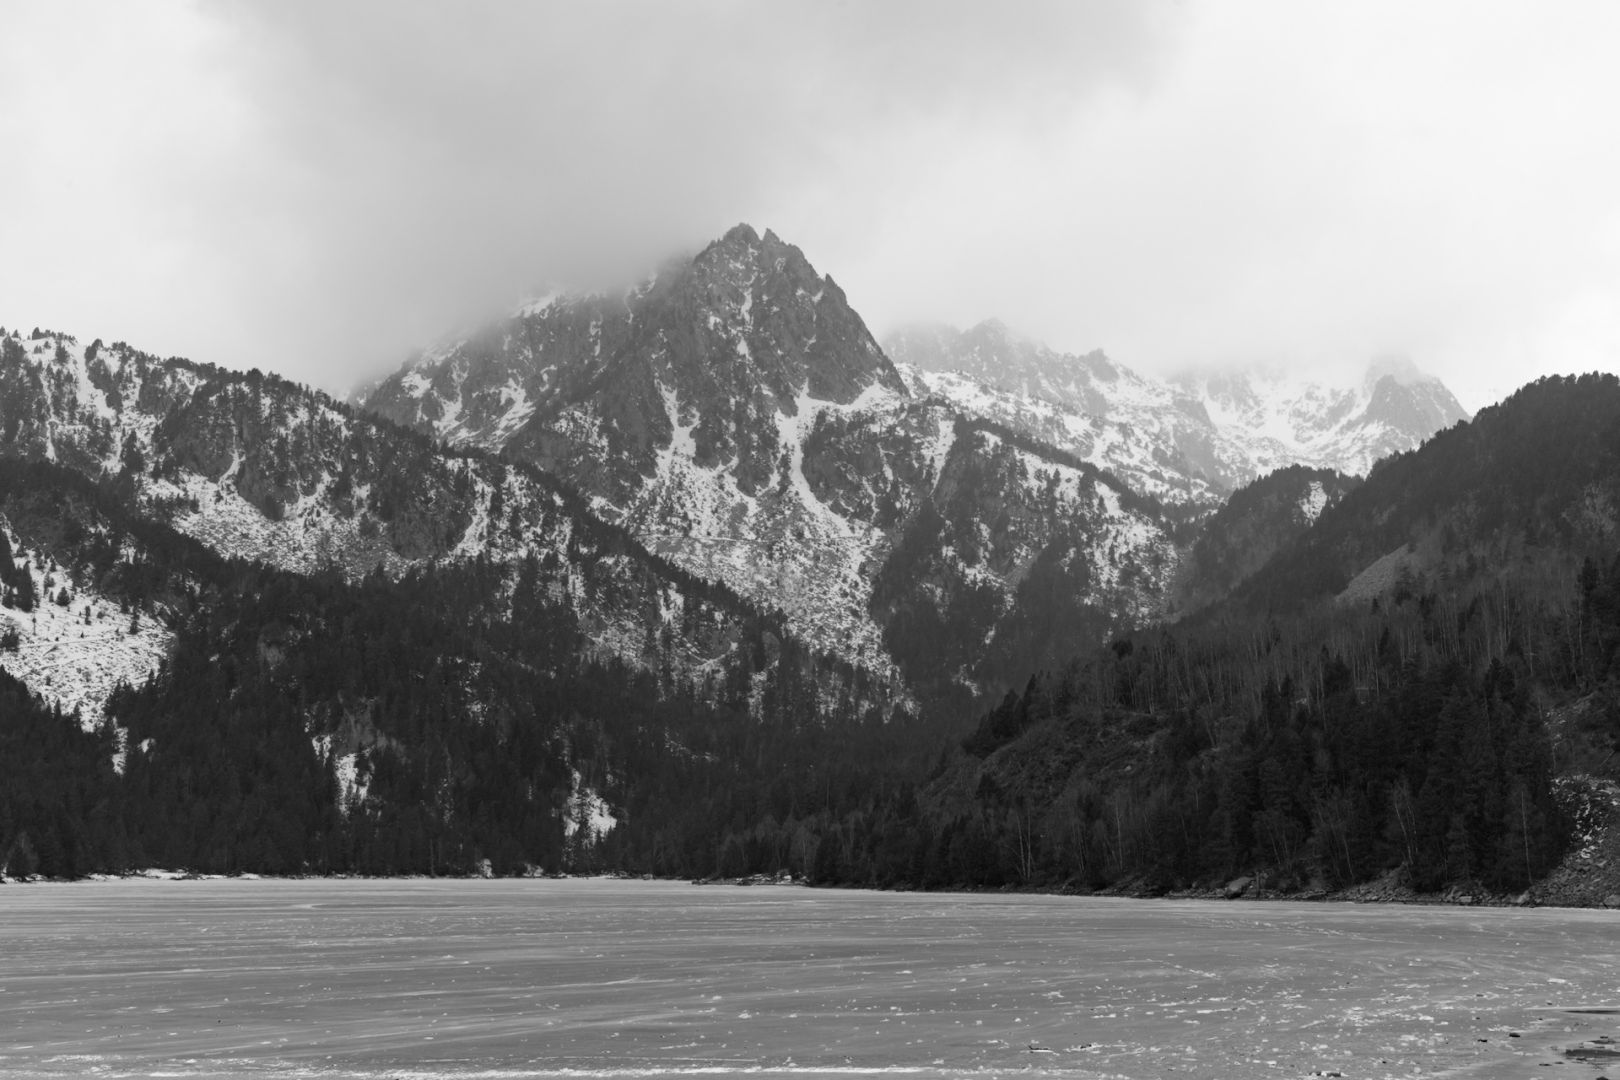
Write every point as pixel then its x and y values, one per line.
pixel 1158 450
pixel 1289 421
pixel 994 356
pixel 1189 440
pixel 258 468
pixel 1017 560
pixel 749 428
pixel 717 349
pixel 682 409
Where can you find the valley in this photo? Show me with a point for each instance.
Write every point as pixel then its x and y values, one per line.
pixel 698 578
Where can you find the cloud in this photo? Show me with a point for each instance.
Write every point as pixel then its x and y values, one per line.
pixel 1310 185
pixel 315 188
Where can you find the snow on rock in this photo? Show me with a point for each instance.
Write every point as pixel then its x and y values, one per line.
pixel 352 782
pixel 1140 442
pixel 588 811
pixel 74 655
pixel 1314 502
pixel 1191 439
pixel 783 547
pixel 257 468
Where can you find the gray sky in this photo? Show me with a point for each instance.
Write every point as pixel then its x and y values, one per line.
pixel 313 188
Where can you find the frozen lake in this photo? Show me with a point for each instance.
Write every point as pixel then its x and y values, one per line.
pixel 417 979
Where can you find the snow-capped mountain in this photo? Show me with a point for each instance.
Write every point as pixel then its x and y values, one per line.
pixel 257 468
pixel 737 416
pixel 683 407
pixel 1193 439
pixel 1291 421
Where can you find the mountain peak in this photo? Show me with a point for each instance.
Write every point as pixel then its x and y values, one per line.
pixel 744 331
pixel 1398 367
pixel 1220 426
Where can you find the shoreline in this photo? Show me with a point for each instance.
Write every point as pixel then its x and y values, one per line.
pixel 1377 892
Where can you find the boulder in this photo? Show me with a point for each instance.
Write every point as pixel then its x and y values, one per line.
pixel 1612 900
pixel 1237 887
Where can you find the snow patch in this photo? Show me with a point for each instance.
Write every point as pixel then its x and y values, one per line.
pixel 588 811
pixel 73 657
pixel 1314 502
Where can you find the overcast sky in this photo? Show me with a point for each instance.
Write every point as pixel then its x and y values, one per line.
pixel 314 188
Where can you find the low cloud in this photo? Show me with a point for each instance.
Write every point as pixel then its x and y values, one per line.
pixel 344 181
pixel 316 188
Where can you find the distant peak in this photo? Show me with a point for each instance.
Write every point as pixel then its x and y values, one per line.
pixel 996 330
pixel 741 233
pixel 1400 368
pixel 925 329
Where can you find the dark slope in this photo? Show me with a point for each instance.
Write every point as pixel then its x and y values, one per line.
pixel 1259 520
pixel 1535 477
pixel 306 723
pixel 1020 557
pixel 59 815
pixel 1322 743
pixel 257 467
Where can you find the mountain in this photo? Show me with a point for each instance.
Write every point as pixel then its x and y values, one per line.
pixel 1528 486
pixel 1193 439
pixel 454 717
pixel 692 579
pixel 265 631
pixel 1259 520
pixel 734 413
pixel 141 453
pixel 1395 408
pixel 681 409
pixel 1146 433
pixel 258 468
pixel 1415 689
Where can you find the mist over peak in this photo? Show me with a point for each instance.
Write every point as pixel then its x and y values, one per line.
pixel 1401 368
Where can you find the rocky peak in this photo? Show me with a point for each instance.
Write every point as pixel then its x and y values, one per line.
pixel 743 329
pixel 1397 367
pixel 759 316
pixel 1191 437
pixel 1418 407
pixel 992 353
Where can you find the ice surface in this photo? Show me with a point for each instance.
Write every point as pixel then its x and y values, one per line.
pixel 419 979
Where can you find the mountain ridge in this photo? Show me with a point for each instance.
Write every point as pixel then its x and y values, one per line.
pixel 748 426
pixel 1207 433
pixel 257 467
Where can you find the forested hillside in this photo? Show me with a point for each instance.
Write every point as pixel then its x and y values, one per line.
pixel 308 723
pixel 1318 733
pixel 1534 479
pixel 1365 684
